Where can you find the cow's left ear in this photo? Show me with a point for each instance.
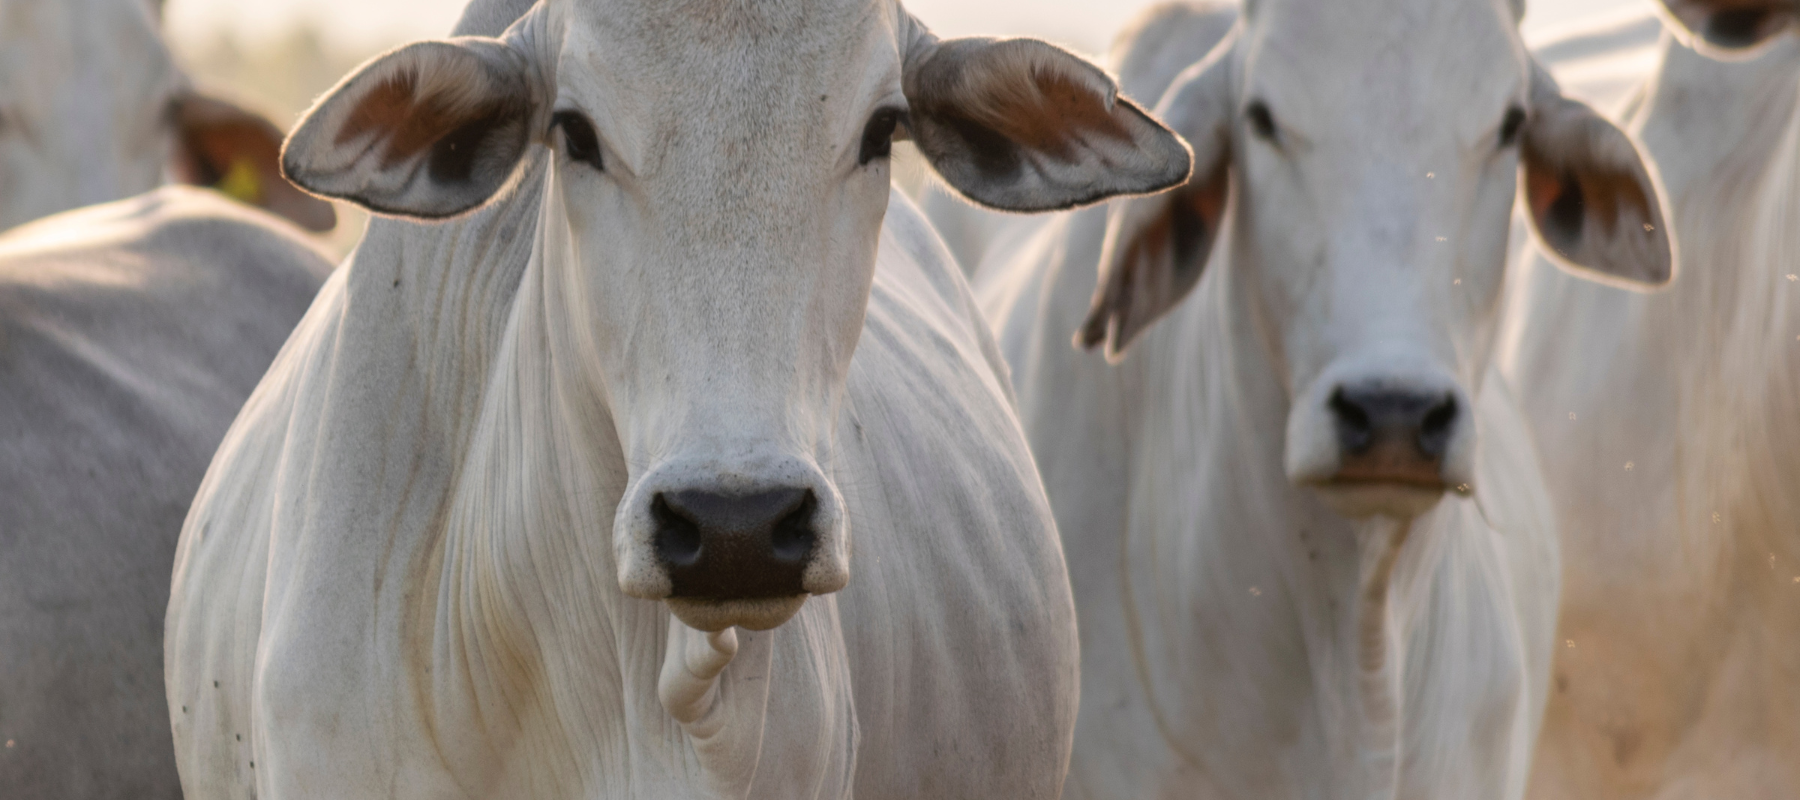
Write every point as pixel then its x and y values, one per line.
pixel 237 151
pixel 1023 125
pixel 428 131
pixel 1592 197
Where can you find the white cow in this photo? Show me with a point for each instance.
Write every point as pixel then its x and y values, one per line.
pixel 1670 428
pixel 93 109
pixel 1310 544
pixel 130 335
pixel 488 525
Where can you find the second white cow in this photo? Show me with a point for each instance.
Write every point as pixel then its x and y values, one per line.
pixel 556 499
pixel 1312 552
pixel 1670 426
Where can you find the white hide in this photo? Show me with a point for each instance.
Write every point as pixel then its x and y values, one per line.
pixel 1241 636
pixel 130 335
pixel 420 564
pixel 1670 429
pixel 93 109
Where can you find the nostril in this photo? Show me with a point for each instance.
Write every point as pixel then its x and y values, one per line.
pixel 1356 431
pixel 1436 427
pixel 727 545
pixel 677 535
pixel 792 538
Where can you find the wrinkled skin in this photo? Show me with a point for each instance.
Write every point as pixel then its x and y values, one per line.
pixel 1266 609
pixel 1670 428
pixel 431 557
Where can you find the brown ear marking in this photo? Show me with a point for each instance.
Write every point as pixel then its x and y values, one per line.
pixel 1046 111
pixel 411 122
pixel 1564 203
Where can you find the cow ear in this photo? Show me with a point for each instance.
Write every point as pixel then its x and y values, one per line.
pixel 1734 25
pixel 238 152
pixel 1591 196
pixel 1156 247
pixel 1022 125
pixel 429 130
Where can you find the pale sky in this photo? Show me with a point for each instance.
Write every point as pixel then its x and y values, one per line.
pixel 363 25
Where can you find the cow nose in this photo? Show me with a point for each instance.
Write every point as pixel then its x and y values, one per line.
pixel 1393 435
pixel 735 546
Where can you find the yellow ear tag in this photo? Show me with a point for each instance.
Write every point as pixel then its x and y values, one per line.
pixel 241 183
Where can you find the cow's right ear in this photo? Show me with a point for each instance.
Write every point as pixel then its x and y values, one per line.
pixel 1734 25
pixel 429 130
pixel 1157 246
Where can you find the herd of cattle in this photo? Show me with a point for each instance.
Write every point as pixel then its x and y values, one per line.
pixel 652 445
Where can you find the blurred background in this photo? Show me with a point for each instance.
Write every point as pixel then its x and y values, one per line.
pixel 276 55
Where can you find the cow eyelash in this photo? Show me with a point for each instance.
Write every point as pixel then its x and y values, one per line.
pixel 580 142
pixel 1511 125
pixel 878 135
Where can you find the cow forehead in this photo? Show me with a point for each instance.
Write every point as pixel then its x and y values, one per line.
pixel 1387 62
pixel 729 87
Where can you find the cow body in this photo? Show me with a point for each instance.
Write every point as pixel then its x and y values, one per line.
pixel 1225 615
pixel 556 498
pixel 1265 610
pixel 1670 426
pixel 133 333
pixel 387 659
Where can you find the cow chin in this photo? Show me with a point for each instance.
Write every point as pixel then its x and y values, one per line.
pixel 1360 500
pixel 712 616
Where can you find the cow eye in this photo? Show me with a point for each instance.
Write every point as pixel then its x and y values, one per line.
pixel 579 140
pixel 878 135
pixel 1509 127
pixel 1262 121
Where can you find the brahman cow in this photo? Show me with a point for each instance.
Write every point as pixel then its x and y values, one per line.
pixel 1670 428
pixel 550 494
pixel 93 109
pixel 130 335
pixel 1308 535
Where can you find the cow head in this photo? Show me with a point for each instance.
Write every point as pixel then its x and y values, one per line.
pixel 92 107
pixel 1370 153
pixel 715 192
pixel 1726 27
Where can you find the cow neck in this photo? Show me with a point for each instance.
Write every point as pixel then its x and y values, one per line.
pixel 1732 319
pixel 1205 385
pixel 1354 615
pixel 455 282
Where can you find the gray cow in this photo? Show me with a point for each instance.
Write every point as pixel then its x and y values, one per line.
pixel 130 334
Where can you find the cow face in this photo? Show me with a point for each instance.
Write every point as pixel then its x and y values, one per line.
pixel 92 108
pixel 1375 149
pixel 710 223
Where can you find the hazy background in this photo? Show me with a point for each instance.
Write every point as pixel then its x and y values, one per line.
pixel 368 25
pixel 276 55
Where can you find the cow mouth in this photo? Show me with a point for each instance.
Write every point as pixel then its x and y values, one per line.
pixel 757 614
